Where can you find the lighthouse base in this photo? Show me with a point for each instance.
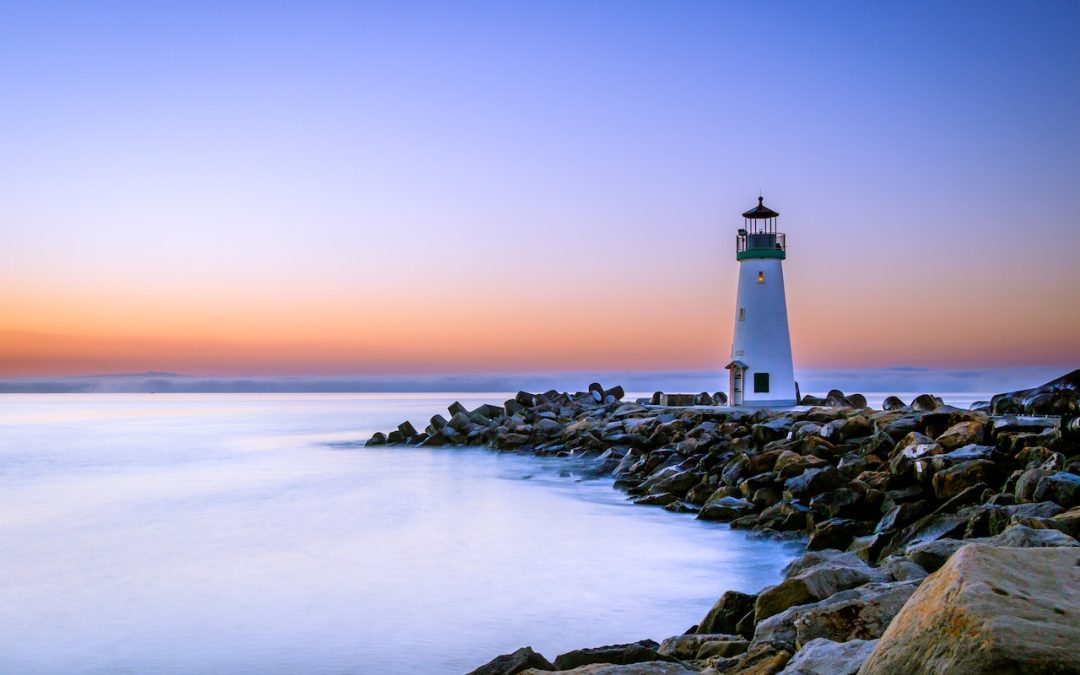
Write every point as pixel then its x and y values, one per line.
pixel 778 403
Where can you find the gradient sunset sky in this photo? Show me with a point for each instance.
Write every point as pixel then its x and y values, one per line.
pixel 328 188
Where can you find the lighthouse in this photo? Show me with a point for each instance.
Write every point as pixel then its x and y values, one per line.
pixel 760 372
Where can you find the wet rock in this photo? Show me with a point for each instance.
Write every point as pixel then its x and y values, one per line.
pixel 989 610
pixel 815 576
pixel 869 548
pixel 622 654
pixel 1021 536
pixel 954 480
pixel 725 615
pixel 687 647
pixel 648 668
pixel 814 481
pixel 892 403
pixel 406 429
pixel 902 515
pixel 761 659
pixel 825 657
pixel 835 533
pixel 725 509
pixel 517 662
pixel 961 434
pixel 673 480
pixel 926 403
pixel 1061 487
pixel 378 438
pixel 1069 522
pixel 862 616
pixel 661 499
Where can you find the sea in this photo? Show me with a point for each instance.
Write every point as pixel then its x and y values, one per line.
pixel 255 533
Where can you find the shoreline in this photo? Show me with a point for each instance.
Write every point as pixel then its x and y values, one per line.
pixel 892 504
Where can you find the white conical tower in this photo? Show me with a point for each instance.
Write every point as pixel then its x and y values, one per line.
pixel 760 372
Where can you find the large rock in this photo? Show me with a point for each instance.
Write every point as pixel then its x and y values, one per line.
pixel 857 613
pixel 725 615
pixel 814 482
pixel 1063 488
pixel 865 615
pixel 961 434
pixel 688 647
pixel 725 508
pixel 651 668
pixel 511 664
pixel 633 652
pixel 825 657
pixel 817 575
pixel 954 480
pixel 989 610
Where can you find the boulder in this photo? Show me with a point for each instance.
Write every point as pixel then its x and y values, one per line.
pixel 836 533
pixel 892 403
pixel 815 576
pixel 725 615
pixel 814 482
pixel 511 664
pixel 926 403
pixel 825 657
pixel 989 610
pixel 954 480
pixel 863 613
pixel 406 429
pixel 1061 487
pixel 378 438
pixel 761 659
pixel 1069 522
pixel 687 647
pixel 633 652
pixel 649 668
pixel 725 509
pixel 1021 536
pixel 961 434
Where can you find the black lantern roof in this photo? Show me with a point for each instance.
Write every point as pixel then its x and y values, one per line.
pixel 760 211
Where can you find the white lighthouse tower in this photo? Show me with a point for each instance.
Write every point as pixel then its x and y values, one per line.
pixel 761 373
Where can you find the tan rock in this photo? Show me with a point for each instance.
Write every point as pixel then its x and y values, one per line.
pixel 989 610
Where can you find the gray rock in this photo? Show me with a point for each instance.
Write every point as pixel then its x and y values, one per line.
pixel 653 668
pixel 816 576
pixel 1063 488
pixel 511 664
pixel 989 610
pixel 865 616
pixel 687 647
pixel 725 615
pixel 725 508
pixel 954 480
pixel 825 657
pixel 622 654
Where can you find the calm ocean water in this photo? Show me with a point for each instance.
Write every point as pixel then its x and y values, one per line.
pixel 254 534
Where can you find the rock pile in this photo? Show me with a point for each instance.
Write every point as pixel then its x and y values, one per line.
pixel 884 497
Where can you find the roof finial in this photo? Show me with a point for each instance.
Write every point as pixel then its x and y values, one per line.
pixel 760 200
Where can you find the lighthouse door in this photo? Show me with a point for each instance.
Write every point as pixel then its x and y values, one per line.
pixel 737 386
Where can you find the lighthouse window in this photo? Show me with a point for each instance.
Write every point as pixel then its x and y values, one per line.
pixel 742 313
pixel 761 383
pixel 761 277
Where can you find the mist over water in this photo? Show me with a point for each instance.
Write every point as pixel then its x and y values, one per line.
pixel 254 533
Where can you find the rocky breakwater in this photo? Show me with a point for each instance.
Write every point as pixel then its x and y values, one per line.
pixel 920 520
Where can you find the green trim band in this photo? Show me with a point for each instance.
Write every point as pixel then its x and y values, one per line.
pixel 761 253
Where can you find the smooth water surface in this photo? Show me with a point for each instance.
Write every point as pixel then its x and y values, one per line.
pixel 254 533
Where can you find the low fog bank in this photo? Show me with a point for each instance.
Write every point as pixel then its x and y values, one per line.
pixel 811 380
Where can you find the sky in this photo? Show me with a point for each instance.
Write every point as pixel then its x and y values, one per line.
pixel 325 189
